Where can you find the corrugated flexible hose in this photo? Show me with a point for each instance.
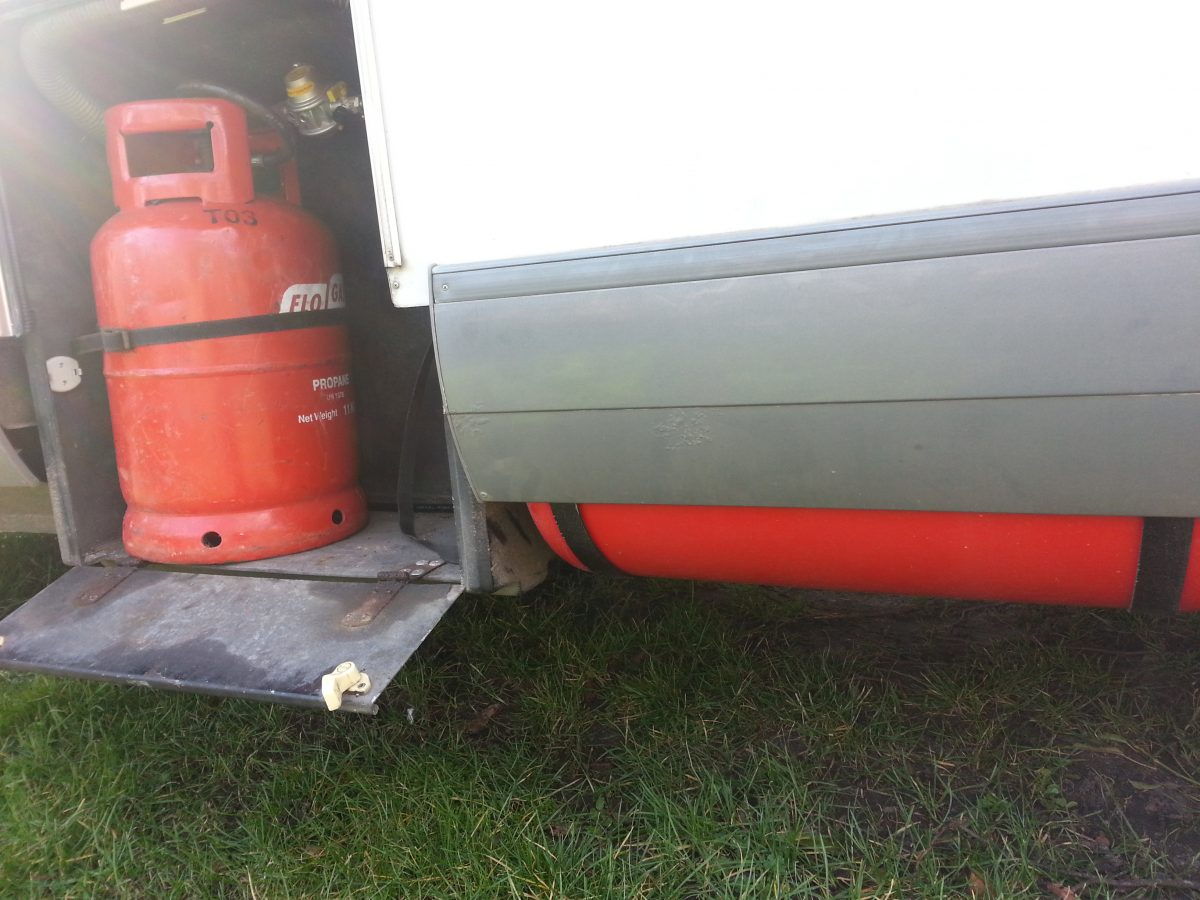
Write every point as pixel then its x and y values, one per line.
pixel 39 42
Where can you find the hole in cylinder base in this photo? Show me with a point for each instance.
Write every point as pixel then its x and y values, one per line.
pixel 337 517
pixel 211 539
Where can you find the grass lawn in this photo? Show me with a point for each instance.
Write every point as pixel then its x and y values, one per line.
pixel 647 739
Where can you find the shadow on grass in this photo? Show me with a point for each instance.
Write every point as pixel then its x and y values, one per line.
pixel 621 738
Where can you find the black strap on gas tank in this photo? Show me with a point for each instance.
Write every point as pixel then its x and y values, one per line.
pixel 1162 565
pixel 121 340
pixel 406 478
pixel 574 531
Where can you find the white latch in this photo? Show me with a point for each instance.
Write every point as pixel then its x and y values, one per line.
pixel 345 678
pixel 65 373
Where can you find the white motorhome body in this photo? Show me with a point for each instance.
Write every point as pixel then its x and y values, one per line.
pixel 578 272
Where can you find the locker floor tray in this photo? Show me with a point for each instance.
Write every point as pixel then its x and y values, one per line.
pixel 260 638
pixel 379 547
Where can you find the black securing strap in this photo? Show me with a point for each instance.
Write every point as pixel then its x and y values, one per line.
pixel 406 479
pixel 121 340
pixel 570 525
pixel 1162 565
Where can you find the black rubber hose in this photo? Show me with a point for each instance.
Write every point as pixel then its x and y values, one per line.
pixel 254 108
pixel 39 42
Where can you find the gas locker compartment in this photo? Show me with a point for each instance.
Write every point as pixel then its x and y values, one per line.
pixel 243 436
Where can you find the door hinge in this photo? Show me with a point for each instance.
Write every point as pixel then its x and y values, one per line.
pixel 387 585
pixel 104 584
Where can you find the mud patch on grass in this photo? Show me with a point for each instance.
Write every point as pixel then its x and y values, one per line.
pixel 1119 800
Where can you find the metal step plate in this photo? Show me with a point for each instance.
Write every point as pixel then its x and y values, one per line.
pixel 258 638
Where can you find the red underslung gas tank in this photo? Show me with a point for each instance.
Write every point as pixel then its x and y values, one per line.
pixel 1149 565
pixel 233 413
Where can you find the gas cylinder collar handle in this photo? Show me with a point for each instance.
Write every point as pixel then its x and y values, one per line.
pixel 310 106
pixel 258 110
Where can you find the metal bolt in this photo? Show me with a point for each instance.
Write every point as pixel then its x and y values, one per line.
pixel 445 287
pixel 422 562
pixel 483 495
pixel 435 562
pixel 395 282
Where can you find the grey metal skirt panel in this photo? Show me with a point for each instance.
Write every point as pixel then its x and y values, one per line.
pixel 1123 455
pixel 1091 319
pixel 1012 360
pixel 1095 217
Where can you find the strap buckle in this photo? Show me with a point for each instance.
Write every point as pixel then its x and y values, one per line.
pixel 116 340
pixel 108 340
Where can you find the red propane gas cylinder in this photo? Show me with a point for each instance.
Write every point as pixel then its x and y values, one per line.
pixel 227 368
pixel 1150 565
